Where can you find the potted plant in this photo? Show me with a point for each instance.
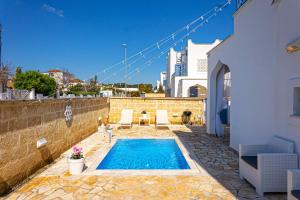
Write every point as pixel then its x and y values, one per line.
pixel 144 113
pixel 76 161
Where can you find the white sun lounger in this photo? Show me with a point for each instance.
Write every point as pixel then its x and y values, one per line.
pixel 161 118
pixel 126 117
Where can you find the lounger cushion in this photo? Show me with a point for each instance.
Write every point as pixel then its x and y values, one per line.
pixel 162 117
pixel 296 193
pixel 251 160
pixel 126 117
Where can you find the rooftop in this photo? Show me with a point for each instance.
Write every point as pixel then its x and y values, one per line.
pixel 55 70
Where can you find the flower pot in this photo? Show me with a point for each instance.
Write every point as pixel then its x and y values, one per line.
pixel 76 166
pixel 144 116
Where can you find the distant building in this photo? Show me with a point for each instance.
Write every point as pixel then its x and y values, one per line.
pixel 106 93
pixel 74 82
pixel 58 75
pixel 127 89
pixel 63 79
pixel 187 68
pixel 162 81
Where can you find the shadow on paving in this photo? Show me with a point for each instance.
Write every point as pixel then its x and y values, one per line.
pixel 220 161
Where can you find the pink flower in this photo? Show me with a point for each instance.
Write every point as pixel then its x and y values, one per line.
pixel 77 150
pixel 77 153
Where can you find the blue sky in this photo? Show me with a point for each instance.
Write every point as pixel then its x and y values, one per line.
pixel 85 36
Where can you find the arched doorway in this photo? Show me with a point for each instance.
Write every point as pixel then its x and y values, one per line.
pixel 219 100
pixel 197 91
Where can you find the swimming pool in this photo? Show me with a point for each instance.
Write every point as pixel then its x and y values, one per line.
pixel 143 154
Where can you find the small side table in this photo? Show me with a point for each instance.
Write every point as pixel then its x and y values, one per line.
pixel 144 119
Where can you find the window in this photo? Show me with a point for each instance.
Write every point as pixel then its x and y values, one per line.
pixel 202 65
pixel 296 104
pixel 180 70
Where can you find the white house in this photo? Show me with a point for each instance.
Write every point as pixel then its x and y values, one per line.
pixel 106 93
pixel 187 68
pixel 58 75
pixel 265 74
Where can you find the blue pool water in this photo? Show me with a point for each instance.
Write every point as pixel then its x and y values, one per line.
pixel 144 154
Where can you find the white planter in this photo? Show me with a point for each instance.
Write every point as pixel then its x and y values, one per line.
pixel 144 116
pixel 76 166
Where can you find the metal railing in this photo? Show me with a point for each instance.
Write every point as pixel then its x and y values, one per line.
pixel 13 94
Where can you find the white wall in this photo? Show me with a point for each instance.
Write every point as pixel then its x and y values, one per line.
pixel 170 68
pixel 195 52
pixel 289 71
pixel 261 71
pixel 163 77
pixel 187 83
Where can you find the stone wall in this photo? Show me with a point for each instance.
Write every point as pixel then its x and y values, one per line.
pixel 157 95
pixel 174 106
pixel 24 122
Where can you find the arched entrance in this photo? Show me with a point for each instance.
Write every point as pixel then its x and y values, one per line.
pixel 197 91
pixel 219 100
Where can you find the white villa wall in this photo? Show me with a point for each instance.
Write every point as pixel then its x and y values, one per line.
pixel 262 72
pixel 195 53
pixel 175 86
pixel 162 78
pixel 179 85
pixel 187 83
pixel 172 57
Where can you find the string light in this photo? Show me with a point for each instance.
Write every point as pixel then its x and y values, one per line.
pixel 194 30
pixel 157 45
pixel 165 40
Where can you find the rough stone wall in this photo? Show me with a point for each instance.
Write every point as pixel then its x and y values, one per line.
pixel 174 106
pixel 24 122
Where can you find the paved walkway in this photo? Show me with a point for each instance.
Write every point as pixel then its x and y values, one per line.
pixel 214 156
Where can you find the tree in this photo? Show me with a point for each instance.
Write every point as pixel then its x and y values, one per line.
pixel 40 82
pixel 147 88
pixel 76 88
pixel 80 89
pixel 18 70
pixel 160 89
pixel 5 71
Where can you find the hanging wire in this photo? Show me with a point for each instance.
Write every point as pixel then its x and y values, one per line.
pixel 158 44
pixel 218 9
pixel 145 64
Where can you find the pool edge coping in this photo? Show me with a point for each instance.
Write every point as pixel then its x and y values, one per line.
pixel 191 159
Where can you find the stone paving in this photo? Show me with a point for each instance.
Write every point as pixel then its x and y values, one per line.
pixel 214 156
